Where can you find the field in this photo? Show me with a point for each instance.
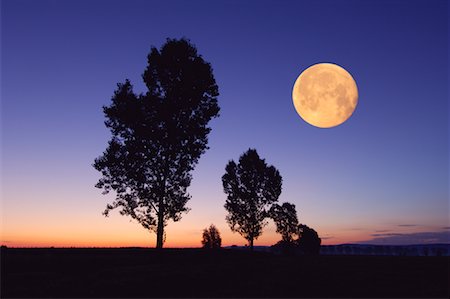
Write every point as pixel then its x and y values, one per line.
pixel 196 273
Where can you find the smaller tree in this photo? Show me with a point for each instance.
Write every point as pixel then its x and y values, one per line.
pixel 308 241
pixel 211 238
pixel 285 218
pixel 252 187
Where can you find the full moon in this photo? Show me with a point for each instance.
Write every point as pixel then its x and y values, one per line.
pixel 325 95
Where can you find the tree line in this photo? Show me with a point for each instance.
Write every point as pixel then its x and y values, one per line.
pixel 157 138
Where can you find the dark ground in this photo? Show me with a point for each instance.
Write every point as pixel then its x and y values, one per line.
pixel 228 273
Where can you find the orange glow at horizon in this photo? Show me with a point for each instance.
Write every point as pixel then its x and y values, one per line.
pixel 84 226
pixel 132 235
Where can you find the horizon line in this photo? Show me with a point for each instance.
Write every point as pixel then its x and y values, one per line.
pixel 199 247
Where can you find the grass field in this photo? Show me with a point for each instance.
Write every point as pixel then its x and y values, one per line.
pixel 226 273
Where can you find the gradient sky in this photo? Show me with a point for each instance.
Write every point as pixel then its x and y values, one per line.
pixel 381 175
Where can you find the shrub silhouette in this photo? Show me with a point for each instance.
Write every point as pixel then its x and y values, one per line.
pixel 252 187
pixel 211 238
pixel 308 241
pixel 158 136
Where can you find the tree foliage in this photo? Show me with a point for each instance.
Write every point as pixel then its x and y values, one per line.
pixel 308 241
pixel 158 137
pixel 252 187
pixel 211 238
pixel 285 218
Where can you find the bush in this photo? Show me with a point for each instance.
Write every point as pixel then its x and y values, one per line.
pixel 211 238
pixel 308 241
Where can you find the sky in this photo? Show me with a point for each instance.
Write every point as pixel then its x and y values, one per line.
pixel 381 177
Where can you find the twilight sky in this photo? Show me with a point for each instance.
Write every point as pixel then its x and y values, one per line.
pixel 381 177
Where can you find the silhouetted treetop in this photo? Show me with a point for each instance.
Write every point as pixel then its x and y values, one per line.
pixel 252 187
pixel 158 137
pixel 177 70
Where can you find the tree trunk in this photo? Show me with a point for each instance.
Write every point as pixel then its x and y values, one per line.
pixel 251 244
pixel 161 211
pixel 160 229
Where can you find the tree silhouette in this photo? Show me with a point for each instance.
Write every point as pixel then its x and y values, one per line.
pixel 211 238
pixel 285 218
pixel 308 241
pixel 158 137
pixel 252 187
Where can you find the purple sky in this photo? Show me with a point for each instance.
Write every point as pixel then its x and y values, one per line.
pixel 387 166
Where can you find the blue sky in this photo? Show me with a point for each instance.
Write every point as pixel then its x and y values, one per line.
pixel 387 166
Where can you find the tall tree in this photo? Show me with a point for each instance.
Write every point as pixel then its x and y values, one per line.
pixel 286 221
pixel 158 137
pixel 252 187
pixel 211 238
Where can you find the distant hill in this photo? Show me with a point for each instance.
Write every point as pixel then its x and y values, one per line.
pixel 396 250
pixel 367 249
